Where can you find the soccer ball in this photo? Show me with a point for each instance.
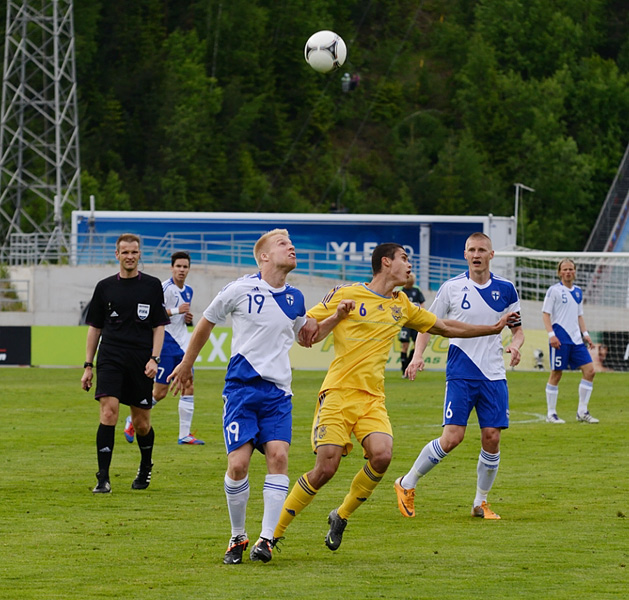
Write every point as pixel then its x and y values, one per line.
pixel 325 51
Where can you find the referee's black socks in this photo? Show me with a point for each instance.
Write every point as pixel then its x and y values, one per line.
pixel 105 446
pixel 145 443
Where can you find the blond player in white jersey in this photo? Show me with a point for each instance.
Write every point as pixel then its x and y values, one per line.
pixel 266 314
pixel 475 374
pixel 569 341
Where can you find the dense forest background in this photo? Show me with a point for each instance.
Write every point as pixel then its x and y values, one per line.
pixel 207 105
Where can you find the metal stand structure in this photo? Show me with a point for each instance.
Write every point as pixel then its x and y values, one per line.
pixel 39 131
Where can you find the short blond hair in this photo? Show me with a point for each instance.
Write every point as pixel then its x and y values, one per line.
pixel 261 244
pixel 129 238
pixel 479 235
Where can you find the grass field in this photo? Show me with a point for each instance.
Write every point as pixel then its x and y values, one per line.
pixel 561 490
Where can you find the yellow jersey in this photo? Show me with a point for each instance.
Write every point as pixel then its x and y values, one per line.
pixel 362 341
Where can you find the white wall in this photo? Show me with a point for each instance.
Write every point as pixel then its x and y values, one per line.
pixel 57 291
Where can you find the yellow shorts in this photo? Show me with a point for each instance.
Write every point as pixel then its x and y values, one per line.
pixel 339 413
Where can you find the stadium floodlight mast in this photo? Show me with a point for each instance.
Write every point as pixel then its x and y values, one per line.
pixel 39 132
pixel 518 187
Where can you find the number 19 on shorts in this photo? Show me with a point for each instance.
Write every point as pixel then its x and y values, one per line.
pixel 232 431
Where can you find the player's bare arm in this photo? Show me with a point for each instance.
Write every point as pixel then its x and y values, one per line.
pixel 343 311
pixel 93 335
pixel 182 374
pixel 517 339
pixel 184 307
pixel 584 332
pixel 417 362
pixel 308 333
pixel 553 340
pixel 452 328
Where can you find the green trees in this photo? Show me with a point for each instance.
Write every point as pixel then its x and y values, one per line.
pixel 210 106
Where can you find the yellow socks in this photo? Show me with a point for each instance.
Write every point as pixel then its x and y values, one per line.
pixel 300 496
pixel 363 485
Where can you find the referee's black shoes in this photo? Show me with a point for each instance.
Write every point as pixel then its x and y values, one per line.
pixel 143 478
pixel 103 486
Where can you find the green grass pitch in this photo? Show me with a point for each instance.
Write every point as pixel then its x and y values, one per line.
pixel 562 492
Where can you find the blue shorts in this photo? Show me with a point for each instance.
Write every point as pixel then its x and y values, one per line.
pixel 489 398
pixel 256 411
pixel 166 366
pixel 569 356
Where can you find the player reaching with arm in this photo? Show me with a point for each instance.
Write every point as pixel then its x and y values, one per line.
pixel 569 341
pixel 352 398
pixel 266 315
pixel 475 373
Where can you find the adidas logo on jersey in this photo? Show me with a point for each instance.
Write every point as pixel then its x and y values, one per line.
pixel 105 449
pixel 465 289
pixel 145 401
pixel 114 314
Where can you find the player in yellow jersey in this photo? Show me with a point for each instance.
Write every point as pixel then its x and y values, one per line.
pixel 351 399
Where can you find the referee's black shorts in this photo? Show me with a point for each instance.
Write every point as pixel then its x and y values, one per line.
pixel 120 373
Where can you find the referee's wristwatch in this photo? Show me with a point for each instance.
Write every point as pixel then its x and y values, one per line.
pixel 156 359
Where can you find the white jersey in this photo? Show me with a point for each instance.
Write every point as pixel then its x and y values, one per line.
pixel 565 306
pixel 461 299
pixel 176 336
pixel 265 322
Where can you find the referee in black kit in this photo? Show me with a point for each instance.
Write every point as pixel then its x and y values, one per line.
pixel 127 315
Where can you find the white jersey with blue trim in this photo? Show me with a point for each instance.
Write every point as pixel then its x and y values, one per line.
pixel 461 299
pixel 565 306
pixel 265 321
pixel 176 336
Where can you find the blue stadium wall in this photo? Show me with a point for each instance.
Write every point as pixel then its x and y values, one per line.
pixel 435 236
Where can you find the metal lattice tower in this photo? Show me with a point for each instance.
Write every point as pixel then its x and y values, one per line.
pixel 39 130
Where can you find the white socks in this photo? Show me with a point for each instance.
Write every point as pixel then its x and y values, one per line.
pixel 274 493
pixel 486 470
pixel 237 493
pixel 552 391
pixel 186 410
pixel 585 391
pixel 430 456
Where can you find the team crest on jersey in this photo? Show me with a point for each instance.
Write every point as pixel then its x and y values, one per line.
pixel 495 294
pixel 321 431
pixel 143 311
pixel 290 299
pixel 396 312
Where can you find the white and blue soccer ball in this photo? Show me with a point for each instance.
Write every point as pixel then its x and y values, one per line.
pixel 325 51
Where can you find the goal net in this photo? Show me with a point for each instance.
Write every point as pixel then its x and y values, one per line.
pixel 604 279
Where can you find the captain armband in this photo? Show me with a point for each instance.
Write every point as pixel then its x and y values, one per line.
pixel 518 323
